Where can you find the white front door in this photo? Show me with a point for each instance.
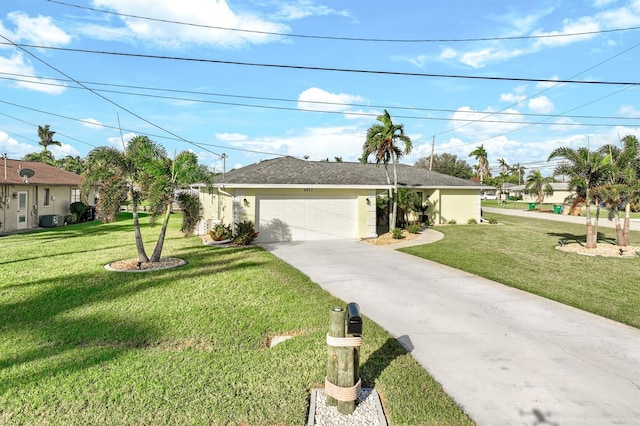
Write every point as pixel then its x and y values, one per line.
pixel 23 202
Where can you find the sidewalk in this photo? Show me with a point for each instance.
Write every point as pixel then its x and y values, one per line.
pixel 634 224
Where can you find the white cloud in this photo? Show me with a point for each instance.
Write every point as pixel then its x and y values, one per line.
pixel 17 64
pixel 40 30
pixel 117 141
pixel 512 98
pixel 92 123
pixel 320 100
pixel 629 111
pixel 479 58
pixel 317 142
pixel 13 148
pixel 231 137
pixel 304 9
pixel 485 124
pixel 541 105
pixel 199 12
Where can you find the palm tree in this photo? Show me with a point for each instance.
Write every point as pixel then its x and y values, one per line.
pixel 41 157
pixel 504 166
pixel 71 164
pixel 46 137
pixel 622 190
pixel 167 178
pixel 538 184
pixel 121 175
pixel 482 168
pixel 383 141
pixel 586 171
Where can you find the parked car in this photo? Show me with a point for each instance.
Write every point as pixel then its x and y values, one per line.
pixel 487 196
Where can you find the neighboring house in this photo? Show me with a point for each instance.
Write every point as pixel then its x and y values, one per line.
pixel 561 191
pixel 30 190
pixel 289 199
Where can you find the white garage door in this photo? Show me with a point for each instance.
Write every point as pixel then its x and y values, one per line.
pixel 308 217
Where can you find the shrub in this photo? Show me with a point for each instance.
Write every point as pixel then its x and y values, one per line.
pixel 70 219
pixel 77 209
pixel 493 220
pixel 472 221
pixel 452 222
pixel 221 232
pixel 397 233
pixel 414 228
pixel 245 234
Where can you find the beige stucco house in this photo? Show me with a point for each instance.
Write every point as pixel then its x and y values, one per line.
pixel 30 190
pixel 289 199
pixel 561 191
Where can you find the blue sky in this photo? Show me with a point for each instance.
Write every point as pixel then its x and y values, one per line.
pixel 248 89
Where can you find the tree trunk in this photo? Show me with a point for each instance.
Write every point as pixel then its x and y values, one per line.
pixel 157 252
pixel 625 229
pixel 395 193
pixel 142 255
pixel 392 221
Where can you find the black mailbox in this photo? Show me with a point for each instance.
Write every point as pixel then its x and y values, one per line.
pixel 354 320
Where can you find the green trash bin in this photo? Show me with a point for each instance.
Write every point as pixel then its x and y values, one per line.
pixel 532 206
pixel 557 208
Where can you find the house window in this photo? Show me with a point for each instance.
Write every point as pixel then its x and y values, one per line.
pixel 46 197
pixel 75 195
pixel 420 199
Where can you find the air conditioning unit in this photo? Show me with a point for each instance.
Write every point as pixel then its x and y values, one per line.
pixel 48 220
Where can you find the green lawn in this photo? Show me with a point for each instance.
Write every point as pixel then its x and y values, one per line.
pixel 521 253
pixel 80 345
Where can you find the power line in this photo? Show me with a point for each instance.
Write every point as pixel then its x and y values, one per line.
pixel 358 39
pixel 364 114
pixel 314 68
pixel 104 97
pixel 28 79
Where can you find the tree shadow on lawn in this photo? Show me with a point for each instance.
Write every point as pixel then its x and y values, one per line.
pixel 581 239
pixel 61 342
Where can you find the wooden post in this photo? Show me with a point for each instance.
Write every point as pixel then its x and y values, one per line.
pixel 336 329
pixel 346 377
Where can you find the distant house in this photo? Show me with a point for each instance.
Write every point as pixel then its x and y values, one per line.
pixel 561 191
pixel 289 199
pixel 30 190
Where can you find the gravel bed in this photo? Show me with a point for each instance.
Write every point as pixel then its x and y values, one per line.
pixel 368 411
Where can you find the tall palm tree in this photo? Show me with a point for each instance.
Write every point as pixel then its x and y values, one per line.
pixel 538 184
pixel 46 137
pixel 586 171
pixel 482 168
pixel 388 143
pixel 121 175
pixel 622 190
pixel 170 176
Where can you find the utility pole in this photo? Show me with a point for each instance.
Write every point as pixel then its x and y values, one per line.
pixel 433 142
pixel 224 164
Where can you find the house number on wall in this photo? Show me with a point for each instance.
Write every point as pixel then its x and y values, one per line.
pixel 308 190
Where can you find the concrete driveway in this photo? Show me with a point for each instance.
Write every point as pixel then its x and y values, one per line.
pixel 506 356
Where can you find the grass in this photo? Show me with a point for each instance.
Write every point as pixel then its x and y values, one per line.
pixel 187 346
pixel 521 253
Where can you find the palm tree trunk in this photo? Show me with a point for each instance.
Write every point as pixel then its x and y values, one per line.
pixel 590 242
pixel 395 192
pixel 625 229
pixel 157 252
pixel 142 255
pixel 392 222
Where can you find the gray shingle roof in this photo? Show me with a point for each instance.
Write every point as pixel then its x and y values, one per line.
pixel 293 171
